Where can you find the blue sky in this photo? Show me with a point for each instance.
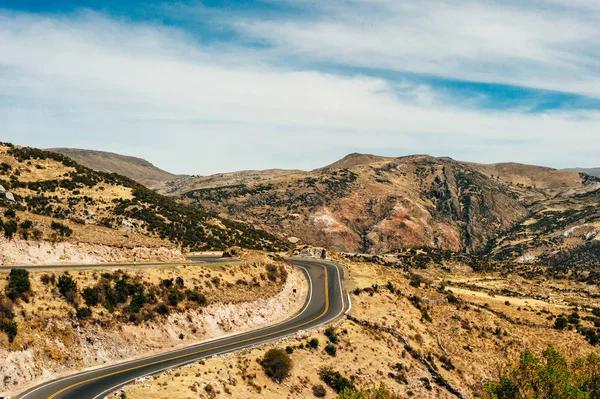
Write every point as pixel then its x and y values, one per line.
pixel 209 86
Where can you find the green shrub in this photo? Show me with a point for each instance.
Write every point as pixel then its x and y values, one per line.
pixel 10 213
pixel 27 224
pixel 334 379
pixel 331 349
pixel 90 296
pixel 174 298
pixel 277 364
pixel 63 230
pixel 137 302
pixel 162 309
pixel 313 343
pixel 560 323
pixel 547 377
pixel 18 283
pixel 195 296
pixel 10 228
pixel 83 313
pixel 10 328
pixel 67 287
pixel 289 350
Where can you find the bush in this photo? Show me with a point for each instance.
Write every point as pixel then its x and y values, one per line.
pixel 90 296
pixel 162 309
pixel 173 298
pixel 61 229
pixel 10 213
pixel 331 350
pixel 10 328
pixel 560 323
pixel 10 228
pixel 313 343
pixel 549 377
pixel 27 224
pixel 137 302
pixel 319 391
pixel 334 379
pixel 18 283
pixel 196 297
pixel 83 313
pixel 67 287
pixel 289 350
pixel 277 364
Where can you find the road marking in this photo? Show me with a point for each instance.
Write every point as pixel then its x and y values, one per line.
pixel 54 395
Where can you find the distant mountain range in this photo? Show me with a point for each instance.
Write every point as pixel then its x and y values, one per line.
pixel 590 171
pixel 368 203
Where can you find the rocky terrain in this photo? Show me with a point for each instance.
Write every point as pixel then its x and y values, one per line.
pixel 62 321
pixel 52 208
pixel 136 169
pixel 365 203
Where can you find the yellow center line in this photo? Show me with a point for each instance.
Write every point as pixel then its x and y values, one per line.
pixel 54 395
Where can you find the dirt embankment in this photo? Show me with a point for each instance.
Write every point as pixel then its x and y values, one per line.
pixel 30 252
pixel 51 343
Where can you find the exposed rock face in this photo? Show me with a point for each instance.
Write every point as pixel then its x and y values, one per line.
pixel 370 204
pixel 374 207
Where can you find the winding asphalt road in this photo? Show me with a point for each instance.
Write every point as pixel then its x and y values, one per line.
pixel 325 302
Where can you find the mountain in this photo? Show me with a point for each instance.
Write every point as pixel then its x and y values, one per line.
pixel 64 200
pixel 185 184
pixel 137 169
pixel 367 203
pixel 588 171
pixel 355 159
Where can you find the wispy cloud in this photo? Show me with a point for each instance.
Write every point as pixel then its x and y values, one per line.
pixel 88 80
pixel 542 44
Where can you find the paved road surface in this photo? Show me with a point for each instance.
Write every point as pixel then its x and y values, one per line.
pixel 325 302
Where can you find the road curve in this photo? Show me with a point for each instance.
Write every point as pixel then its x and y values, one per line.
pixel 325 302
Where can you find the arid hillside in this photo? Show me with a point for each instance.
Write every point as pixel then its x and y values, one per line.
pixel 185 184
pixel 58 321
pixel 137 169
pixel 47 198
pixel 434 329
pixel 375 204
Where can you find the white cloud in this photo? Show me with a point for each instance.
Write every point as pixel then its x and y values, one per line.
pixel 89 81
pixel 545 44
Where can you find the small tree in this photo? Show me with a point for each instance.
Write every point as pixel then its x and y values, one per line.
pixel 560 323
pixel 18 283
pixel 331 349
pixel 277 364
pixel 10 228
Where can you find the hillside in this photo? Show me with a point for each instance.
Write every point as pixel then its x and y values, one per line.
pixel 137 169
pixel 185 184
pixel 51 198
pixel 440 331
pixel 377 204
